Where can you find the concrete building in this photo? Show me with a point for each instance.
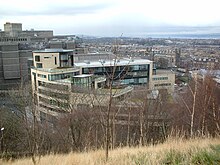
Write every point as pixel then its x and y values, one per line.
pixel 13 32
pixel 12 29
pixel 75 45
pixel 14 66
pixel 15 56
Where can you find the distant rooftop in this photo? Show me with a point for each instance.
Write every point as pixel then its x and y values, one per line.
pixel 120 62
pixel 53 51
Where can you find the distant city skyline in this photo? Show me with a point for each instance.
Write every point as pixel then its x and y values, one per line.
pixel 112 17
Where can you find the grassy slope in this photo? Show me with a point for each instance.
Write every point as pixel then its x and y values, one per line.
pixel 197 151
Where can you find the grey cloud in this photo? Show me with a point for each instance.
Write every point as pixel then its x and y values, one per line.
pixel 64 9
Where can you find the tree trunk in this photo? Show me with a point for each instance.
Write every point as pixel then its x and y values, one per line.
pixel 193 110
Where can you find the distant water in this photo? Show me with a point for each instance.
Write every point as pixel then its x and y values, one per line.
pixel 184 36
pixel 162 35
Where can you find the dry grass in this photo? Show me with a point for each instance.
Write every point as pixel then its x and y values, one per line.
pixel 171 152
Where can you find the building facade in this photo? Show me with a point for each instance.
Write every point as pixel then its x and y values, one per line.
pixel 13 32
pixel 126 71
pixel 15 55
pixel 163 79
pixel 14 65
pixel 59 86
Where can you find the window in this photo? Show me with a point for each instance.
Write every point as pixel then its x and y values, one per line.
pixel 59 76
pixel 85 71
pixel 39 65
pixel 55 60
pixel 143 67
pixel 142 80
pixel 160 78
pixel 42 75
pixel 37 58
pixel 161 85
pixel 136 67
pixel 64 57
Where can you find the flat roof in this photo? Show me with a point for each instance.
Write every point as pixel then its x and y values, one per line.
pixel 121 62
pixel 52 51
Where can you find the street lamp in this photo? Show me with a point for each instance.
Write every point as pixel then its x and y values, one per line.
pixel 2 144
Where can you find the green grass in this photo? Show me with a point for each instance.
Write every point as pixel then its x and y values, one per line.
pixel 211 157
pixel 174 157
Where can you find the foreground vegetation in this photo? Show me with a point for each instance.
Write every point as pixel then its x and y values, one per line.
pixel 173 151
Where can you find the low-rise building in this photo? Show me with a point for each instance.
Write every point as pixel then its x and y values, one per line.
pixel 163 79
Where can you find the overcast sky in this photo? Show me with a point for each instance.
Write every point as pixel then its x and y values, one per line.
pixel 111 17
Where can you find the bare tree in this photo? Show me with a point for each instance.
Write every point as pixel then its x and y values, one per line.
pixel 24 104
pixel 197 112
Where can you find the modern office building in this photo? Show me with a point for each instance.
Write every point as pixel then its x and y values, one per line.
pixel 59 85
pixel 126 71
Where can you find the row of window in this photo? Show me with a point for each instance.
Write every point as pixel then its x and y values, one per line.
pixel 54 94
pixel 61 76
pixel 117 69
pixel 53 86
pixel 86 81
pixel 160 78
pixel 160 85
pixel 12 39
pixel 134 81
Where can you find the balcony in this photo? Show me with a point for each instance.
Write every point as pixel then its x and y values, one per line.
pixel 57 70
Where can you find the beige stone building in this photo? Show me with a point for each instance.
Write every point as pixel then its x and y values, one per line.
pixel 163 79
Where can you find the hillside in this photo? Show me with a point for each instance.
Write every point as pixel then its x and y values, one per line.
pixel 195 151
